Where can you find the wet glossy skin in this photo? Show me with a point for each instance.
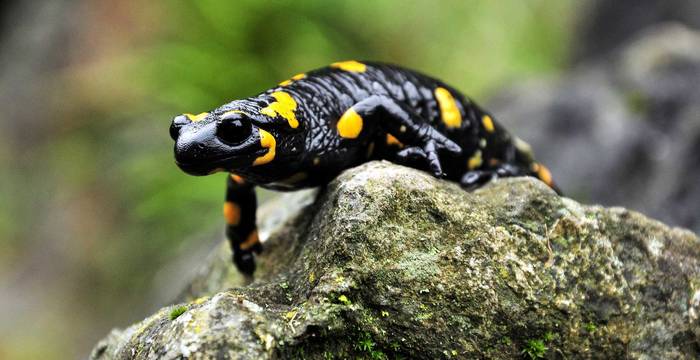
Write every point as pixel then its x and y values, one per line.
pixel 306 130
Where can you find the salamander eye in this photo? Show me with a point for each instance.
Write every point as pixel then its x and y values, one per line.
pixel 233 131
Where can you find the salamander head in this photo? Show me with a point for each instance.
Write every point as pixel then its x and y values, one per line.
pixel 208 143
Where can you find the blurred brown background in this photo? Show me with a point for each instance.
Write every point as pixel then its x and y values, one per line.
pixel 94 215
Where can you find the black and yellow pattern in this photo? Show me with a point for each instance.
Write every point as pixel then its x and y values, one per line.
pixel 309 128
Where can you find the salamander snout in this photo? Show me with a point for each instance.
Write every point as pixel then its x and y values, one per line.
pixel 177 124
pixel 196 145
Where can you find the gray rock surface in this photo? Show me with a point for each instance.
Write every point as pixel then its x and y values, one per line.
pixel 625 132
pixel 607 24
pixel 389 262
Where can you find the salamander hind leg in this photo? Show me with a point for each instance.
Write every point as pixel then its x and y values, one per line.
pixel 241 231
pixel 475 178
pixel 424 144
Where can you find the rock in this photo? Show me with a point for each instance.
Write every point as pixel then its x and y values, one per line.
pixel 389 262
pixel 607 24
pixel 624 132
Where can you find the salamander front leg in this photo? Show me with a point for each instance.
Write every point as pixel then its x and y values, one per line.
pixel 423 142
pixel 241 231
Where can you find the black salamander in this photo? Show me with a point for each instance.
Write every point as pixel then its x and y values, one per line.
pixel 305 131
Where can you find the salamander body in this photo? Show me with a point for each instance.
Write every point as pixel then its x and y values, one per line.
pixel 305 131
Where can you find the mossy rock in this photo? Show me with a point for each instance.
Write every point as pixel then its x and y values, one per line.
pixel 389 262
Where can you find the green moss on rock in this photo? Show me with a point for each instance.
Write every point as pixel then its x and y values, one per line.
pixel 177 311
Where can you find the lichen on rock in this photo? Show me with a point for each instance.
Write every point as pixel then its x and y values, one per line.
pixel 389 262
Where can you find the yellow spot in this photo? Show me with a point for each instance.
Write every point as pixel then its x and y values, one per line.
pixel 317 161
pixel 291 314
pixel 351 65
pixel 230 112
pixel 284 106
pixel 312 277
pixel 238 179
pixel 475 161
pixel 402 129
pixel 524 148
pixel 350 124
pixel 250 241
pixel 488 123
pixel 392 140
pixel 267 141
pixel 543 173
pixel 448 108
pixel 294 78
pixel 232 213
pixel 198 117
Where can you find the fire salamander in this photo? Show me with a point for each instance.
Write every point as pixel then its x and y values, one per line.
pixel 306 130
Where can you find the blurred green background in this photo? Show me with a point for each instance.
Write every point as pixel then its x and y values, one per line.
pixel 95 218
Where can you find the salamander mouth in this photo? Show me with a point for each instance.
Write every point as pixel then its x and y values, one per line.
pixel 228 163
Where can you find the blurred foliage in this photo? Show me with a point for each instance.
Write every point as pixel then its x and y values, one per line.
pixel 108 183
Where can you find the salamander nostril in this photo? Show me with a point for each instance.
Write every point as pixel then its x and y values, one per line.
pixel 233 131
pixel 178 122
